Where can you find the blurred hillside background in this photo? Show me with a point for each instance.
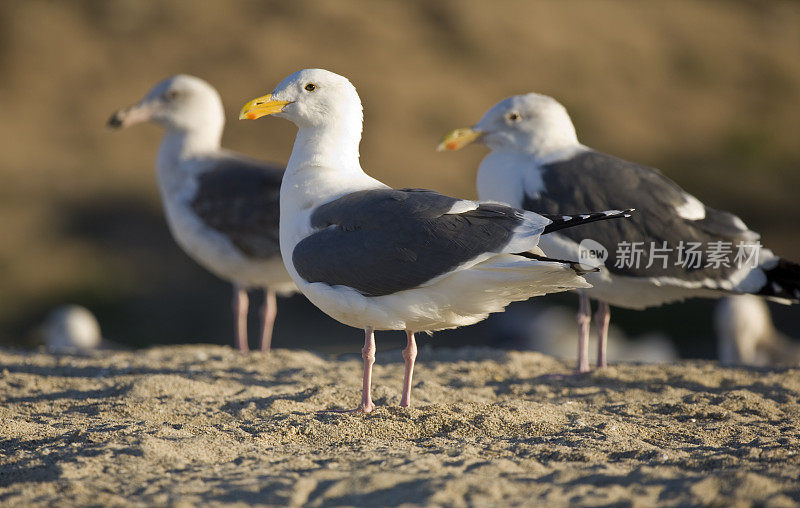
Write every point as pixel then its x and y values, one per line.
pixel 707 91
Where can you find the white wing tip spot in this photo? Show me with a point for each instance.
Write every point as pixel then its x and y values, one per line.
pixel 691 209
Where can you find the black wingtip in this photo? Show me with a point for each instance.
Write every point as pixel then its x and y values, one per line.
pixel 568 221
pixel 579 268
pixel 783 281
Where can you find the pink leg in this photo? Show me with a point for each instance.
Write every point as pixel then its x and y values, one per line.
pixel 584 320
pixel 268 313
pixel 409 355
pixel 368 354
pixel 240 303
pixel 601 320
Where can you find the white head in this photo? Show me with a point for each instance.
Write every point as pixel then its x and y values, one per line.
pixel 310 98
pixel 180 103
pixel 327 111
pixel 531 123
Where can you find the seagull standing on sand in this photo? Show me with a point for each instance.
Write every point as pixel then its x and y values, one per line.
pixel 537 163
pixel 221 207
pixel 377 258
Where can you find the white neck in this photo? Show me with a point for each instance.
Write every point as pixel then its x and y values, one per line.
pixel 542 150
pixel 558 152
pixel 180 144
pixel 333 145
pixel 325 164
pixel 550 140
pixel 177 147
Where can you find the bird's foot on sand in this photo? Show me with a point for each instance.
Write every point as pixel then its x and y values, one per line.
pixel 363 408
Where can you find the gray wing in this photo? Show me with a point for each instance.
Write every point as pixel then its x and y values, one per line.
pixel 240 198
pixel 384 241
pixel 596 181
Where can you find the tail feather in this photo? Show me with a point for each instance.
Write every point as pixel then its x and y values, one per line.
pixel 783 281
pixel 568 221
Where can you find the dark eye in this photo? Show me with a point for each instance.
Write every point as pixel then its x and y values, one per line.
pixel 311 87
pixel 514 117
pixel 170 95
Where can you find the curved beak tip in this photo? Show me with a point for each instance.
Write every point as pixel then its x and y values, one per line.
pixel 261 106
pixel 115 122
pixel 447 146
pixel 458 138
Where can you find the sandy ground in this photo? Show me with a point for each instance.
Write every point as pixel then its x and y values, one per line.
pixel 199 425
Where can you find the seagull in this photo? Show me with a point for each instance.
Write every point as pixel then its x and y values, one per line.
pixel 222 208
pixel 378 258
pixel 747 336
pixel 538 164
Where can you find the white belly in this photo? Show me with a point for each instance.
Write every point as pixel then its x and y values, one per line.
pixel 462 298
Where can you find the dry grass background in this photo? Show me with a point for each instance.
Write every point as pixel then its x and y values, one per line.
pixel 708 91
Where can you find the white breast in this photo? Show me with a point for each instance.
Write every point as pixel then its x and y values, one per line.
pixel 502 177
pixel 303 189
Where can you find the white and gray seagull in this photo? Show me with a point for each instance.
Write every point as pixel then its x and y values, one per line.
pixel 377 258
pixel 537 163
pixel 221 207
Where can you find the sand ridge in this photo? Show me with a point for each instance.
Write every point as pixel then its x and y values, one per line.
pixel 194 425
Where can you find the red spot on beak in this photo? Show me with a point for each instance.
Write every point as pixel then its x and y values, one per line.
pixel 451 145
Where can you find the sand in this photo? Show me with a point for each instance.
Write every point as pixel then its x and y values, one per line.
pixel 201 425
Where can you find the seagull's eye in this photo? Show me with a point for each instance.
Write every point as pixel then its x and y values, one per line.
pixel 310 87
pixel 514 117
pixel 171 95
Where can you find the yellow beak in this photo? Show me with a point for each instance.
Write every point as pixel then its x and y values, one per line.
pixel 261 106
pixel 458 138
